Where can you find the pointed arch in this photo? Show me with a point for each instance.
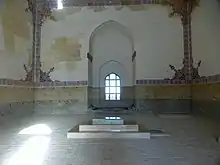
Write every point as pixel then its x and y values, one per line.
pixel 118 69
pixel 112 61
pixel 116 26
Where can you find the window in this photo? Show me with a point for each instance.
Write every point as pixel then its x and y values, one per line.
pixel 112 87
pixel 59 4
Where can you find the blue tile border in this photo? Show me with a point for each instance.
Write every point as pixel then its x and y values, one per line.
pixel 63 84
pixel 109 3
pixel 159 82
pixel 207 80
pixel 11 82
pixel 202 80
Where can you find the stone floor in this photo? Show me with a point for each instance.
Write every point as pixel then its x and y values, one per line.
pixel 192 143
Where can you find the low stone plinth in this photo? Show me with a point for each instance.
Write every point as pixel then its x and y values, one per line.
pixel 108 128
pixel 108 135
pixel 107 121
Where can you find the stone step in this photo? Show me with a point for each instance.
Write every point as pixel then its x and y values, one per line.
pixel 108 135
pixel 107 121
pixel 108 128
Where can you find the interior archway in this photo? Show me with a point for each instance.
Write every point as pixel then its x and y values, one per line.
pixel 111 48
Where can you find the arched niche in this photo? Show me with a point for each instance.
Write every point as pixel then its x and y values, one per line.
pixel 111 49
pixel 111 41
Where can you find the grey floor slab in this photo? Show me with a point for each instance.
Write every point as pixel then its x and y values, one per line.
pixel 191 143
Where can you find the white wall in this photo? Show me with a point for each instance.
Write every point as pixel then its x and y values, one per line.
pixel 206 36
pixel 157 39
pixel 15 39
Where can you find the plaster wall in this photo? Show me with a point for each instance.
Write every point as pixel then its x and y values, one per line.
pixel 157 40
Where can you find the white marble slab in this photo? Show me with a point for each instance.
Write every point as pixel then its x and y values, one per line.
pixel 107 121
pixel 108 135
pixel 108 128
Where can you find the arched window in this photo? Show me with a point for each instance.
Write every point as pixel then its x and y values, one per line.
pixel 112 87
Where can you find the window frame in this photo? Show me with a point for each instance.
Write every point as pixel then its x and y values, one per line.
pixel 114 84
pixel 59 4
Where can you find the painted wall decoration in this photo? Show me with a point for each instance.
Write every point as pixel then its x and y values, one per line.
pixel 44 8
pixel 66 49
pixel 180 73
pixel 184 9
pixel 16 25
pixel 44 76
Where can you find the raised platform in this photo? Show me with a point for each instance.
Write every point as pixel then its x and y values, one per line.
pixel 113 108
pixel 108 128
pixel 108 135
pixel 112 128
pixel 108 121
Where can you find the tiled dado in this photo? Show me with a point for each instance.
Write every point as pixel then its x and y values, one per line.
pixel 21 108
pixel 163 98
pixel 206 99
pixel 65 107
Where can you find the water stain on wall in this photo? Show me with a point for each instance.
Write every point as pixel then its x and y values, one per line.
pixel 62 14
pixel 66 49
pixel 15 24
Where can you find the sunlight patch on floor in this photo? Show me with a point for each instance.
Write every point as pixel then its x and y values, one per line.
pixel 32 152
pixel 38 129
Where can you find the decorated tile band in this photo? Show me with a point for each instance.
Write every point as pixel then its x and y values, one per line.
pixel 63 83
pixel 207 80
pixel 159 82
pixel 105 2
pixel 10 82
pixel 202 80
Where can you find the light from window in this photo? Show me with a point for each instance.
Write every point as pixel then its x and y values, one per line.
pixel 112 87
pixel 33 152
pixel 38 129
pixel 59 4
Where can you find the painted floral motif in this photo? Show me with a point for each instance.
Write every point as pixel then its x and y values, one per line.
pixel 44 10
pixel 44 76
